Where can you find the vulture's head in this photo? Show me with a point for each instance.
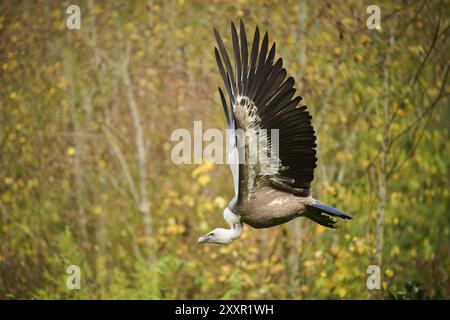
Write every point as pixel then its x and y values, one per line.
pixel 224 236
pixel 218 235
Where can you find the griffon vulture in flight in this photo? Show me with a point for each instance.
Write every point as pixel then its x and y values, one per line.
pixel 261 98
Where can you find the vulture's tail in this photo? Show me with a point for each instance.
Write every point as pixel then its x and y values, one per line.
pixel 323 213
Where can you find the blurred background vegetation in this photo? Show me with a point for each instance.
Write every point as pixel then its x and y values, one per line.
pixel 86 176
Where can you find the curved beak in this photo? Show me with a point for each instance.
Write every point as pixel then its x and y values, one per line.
pixel 203 239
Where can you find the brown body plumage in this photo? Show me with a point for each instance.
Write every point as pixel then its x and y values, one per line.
pixel 268 207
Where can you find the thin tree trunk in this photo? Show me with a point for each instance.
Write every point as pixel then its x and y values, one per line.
pixel 383 172
pixel 298 226
pixel 144 204
pixel 77 163
pixel 381 208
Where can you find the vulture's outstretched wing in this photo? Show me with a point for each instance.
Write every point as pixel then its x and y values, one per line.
pixel 262 98
pixel 232 156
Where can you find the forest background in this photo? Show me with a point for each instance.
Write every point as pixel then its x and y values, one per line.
pixel 86 176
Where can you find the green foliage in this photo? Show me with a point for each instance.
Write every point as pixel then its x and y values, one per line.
pixel 413 291
pixel 234 286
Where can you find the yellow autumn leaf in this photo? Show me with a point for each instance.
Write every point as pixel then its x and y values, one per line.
pixel 220 202
pixel 340 156
pixel 308 263
pixel 279 267
pixel 342 292
pixel 97 210
pixel 70 151
pixel 389 272
pixel 395 251
pixel 203 180
pixel 319 229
